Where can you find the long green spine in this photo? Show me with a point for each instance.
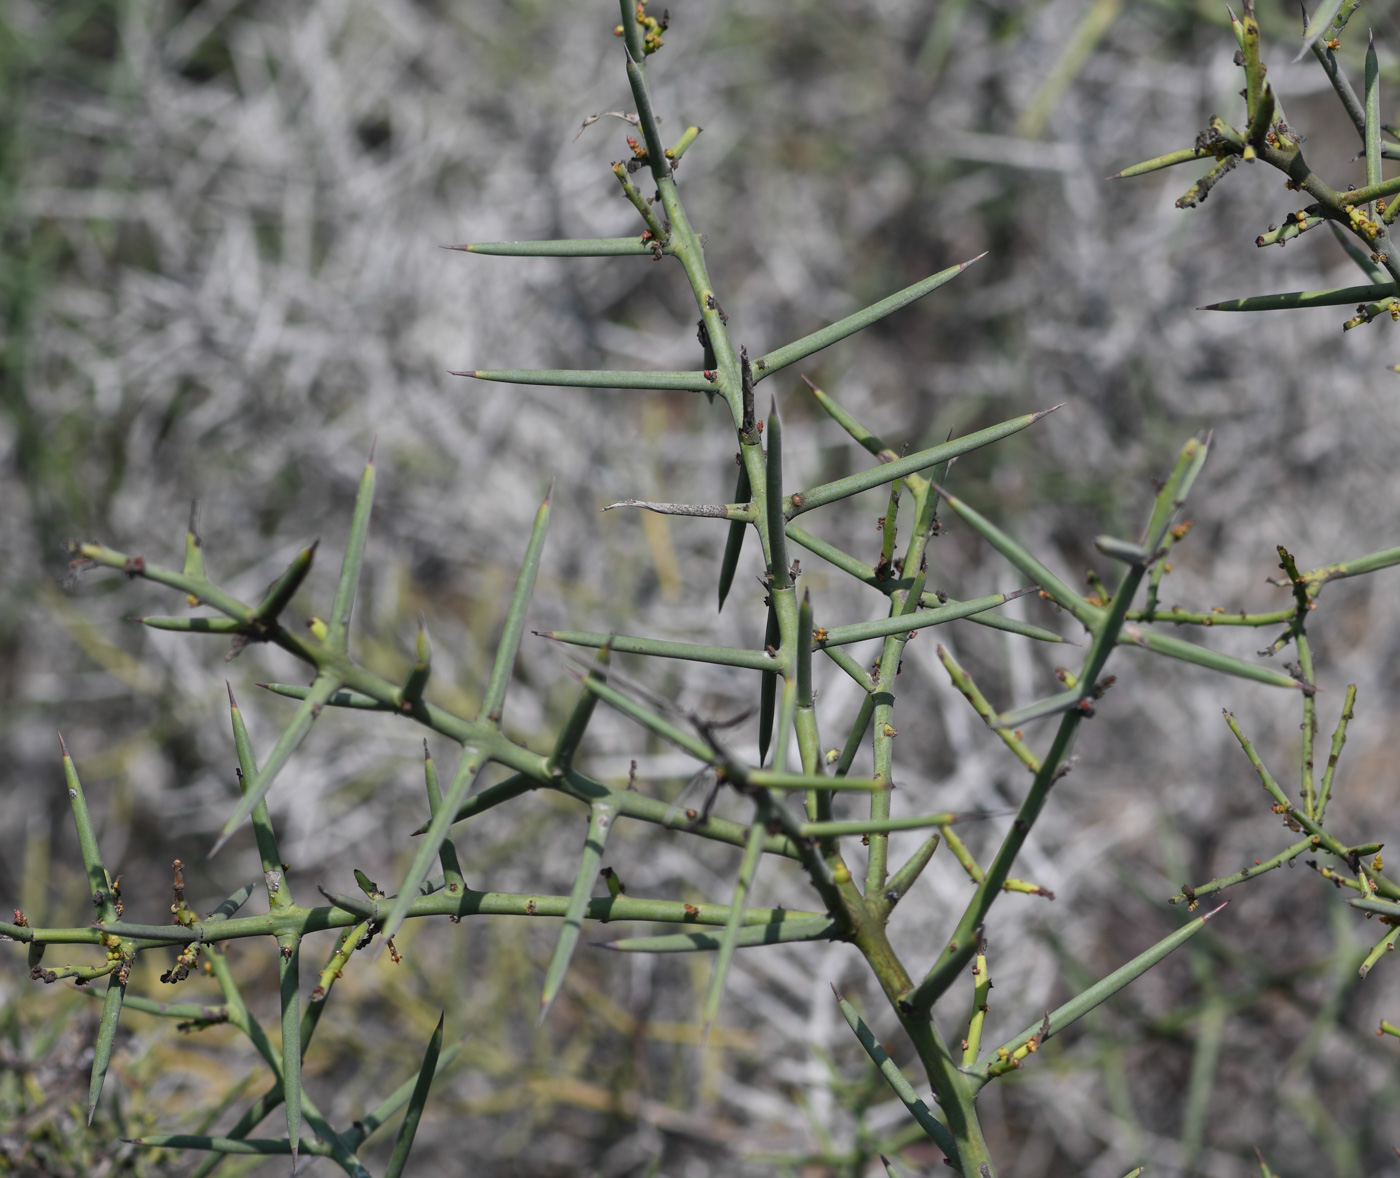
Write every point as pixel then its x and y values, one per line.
pixel 504 665
pixel 695 382
pixel 800 349
pixel 734 542
pixel 591 247
pixel 467 770
pixel 825 493
pixel 99 883
pixel 930 1124
pixel 285 587
pixel 416 1102
pixel 256 790
pixel 279 893
pixel 730 938
pixel 447 853
pixel 354 557
pixel 106 1034
pixel 599 824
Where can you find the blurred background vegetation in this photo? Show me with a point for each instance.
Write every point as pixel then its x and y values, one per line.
pixel 220 280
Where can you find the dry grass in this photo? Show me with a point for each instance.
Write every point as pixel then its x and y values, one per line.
pixel 222 223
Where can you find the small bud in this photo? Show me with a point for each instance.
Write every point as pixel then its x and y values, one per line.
pixel 615 885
